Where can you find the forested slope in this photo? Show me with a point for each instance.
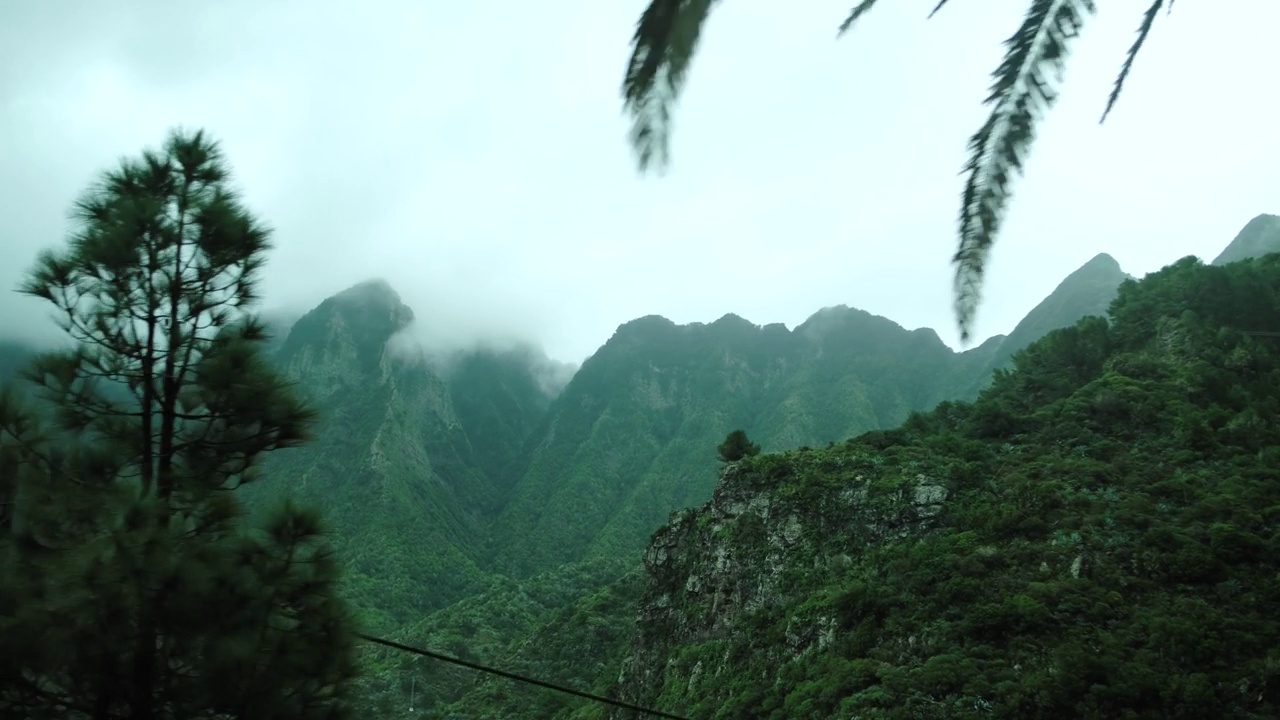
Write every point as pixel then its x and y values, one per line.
pixel 1094 537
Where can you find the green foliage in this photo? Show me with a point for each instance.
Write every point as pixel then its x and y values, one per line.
pixel 131 587
pixel 395 461
pixel 737 446
pixel 499 403
pixel 1023 88
pixel 569 626
pixel 627 441
pixel 1106 549
pixel 406 526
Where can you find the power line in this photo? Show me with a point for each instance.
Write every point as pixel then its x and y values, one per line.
pixel 513 676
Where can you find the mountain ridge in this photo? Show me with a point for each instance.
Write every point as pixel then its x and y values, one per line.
pixel 1035 553
pixel 450 476
pixel 632 442
pixel 1260 236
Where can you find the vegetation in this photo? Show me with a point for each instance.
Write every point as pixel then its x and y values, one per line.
pixel 571 626
pixel 1089 538
pixel 631 438
pixel 130 586
pixel 1055 480
pixel 1107 547
pixel 1023 88
pixel 737 446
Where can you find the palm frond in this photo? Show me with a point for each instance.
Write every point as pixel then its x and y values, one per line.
pixel 1024 88
pixel 1148 19
pixel 861 9
pixel 937 7
pixel 665 39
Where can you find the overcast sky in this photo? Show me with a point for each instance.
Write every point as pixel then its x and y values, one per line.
pixel 474 154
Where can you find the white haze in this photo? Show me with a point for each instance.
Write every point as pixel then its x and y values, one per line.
pixel 474 154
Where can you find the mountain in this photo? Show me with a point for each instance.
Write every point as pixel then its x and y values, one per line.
pixel 498 503
pixel 632 436
pixel 1093 537
pixel 501 397
pixel 584 643
pixel 1087 291
pixel 405 486
pixel 442 477
pixel 1260 236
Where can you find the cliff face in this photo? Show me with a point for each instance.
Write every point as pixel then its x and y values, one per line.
pixel 776 529
pixel 1093 537
pixel 344 339
pixel 633 434
pixel 406 474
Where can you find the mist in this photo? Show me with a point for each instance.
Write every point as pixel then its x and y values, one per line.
pixel 445 339
pixel 503 203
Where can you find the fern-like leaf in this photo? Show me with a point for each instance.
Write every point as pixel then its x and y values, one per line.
pixel 1023 88
pixel 665 39
pixel 1148 19
pixel 937 7
pixel 861 9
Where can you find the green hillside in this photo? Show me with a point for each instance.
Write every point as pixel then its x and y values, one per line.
pixel 1093 538
pixel 633 435
pixel 497 505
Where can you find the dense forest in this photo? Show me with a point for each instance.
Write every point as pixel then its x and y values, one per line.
pixel 1093 537
pixel 205 513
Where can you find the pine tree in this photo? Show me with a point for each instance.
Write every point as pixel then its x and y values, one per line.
pixel 1023 88
pixel 737 446
pixel 131 586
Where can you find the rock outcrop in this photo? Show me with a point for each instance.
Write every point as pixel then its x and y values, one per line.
pixel 777 527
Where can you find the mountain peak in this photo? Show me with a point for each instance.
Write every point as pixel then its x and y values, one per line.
pixel 348 330
pixel 374 292
pixel 1260 236
pixel 1088 290
pixel 833 317
pixel 372 288
pixel 643 328
pixel 373 301
pixel 1099 263
pixel 733 319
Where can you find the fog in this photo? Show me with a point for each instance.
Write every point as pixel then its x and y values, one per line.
pixel 474 155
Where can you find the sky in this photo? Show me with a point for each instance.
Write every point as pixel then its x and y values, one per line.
pixel 474 154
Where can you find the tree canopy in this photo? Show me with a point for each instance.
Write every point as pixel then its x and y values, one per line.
pixel 1023 87
pixel 130 583
pixel 737 446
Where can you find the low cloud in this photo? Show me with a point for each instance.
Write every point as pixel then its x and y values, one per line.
pixel 503 203
pixel 443 348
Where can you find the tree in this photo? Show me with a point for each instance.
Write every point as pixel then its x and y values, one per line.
pixel 737 446
pixel 130 583
pixel 1023 88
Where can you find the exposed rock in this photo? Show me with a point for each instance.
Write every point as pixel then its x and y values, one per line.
pixel 738 556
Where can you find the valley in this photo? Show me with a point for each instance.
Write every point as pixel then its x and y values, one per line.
pixel 505 508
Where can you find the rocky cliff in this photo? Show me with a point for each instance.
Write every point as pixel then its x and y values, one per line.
pixel 776 529
pixel 1090 538
pixel 632 437
pixel 406 487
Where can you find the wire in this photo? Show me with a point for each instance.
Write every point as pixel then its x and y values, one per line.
pixel 513 676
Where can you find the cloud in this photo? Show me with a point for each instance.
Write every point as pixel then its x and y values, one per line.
pixel 474 154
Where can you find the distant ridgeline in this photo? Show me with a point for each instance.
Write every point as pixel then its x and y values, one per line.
pixel 1095 537
pixel 497 505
